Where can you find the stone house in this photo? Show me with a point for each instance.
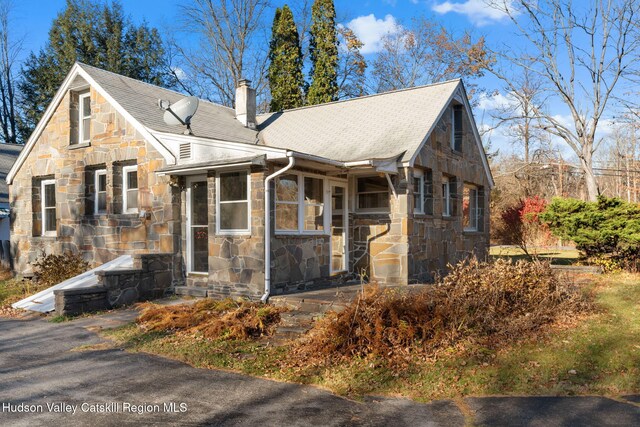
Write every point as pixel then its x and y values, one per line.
pixel 392 187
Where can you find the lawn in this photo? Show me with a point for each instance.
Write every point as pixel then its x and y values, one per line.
pixel 555 256
pixel 596 354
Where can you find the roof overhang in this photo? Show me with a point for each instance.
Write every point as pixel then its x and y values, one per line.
pixel 76 71
pixel 198 168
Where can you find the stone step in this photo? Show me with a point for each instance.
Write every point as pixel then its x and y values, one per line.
pixel 190 291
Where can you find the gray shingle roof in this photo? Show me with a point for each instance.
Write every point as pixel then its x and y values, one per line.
pixel 140 100
pixel 370 127
pixel 8 155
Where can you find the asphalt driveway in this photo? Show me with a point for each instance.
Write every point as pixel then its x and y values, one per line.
pixel 44 369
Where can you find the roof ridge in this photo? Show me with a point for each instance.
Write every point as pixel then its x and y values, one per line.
pixel 406 89
pixel 82 64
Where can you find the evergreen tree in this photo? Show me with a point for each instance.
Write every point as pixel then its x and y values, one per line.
pixel 285 62
pixel 323 50
pixel 94 33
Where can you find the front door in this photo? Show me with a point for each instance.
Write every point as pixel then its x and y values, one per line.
pixel 197 225
pixel 339 228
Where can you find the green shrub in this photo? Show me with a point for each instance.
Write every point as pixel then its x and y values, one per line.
pixel 53 269
pixel 609 227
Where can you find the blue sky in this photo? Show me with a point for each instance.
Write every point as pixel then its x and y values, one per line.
pixel 370 20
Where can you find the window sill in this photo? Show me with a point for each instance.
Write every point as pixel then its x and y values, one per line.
pixel 422 215
pixel 197 274
pixel 357 212
pixel 456 152
pixel 300 234
pixel 448 217
pixel 79 146
pixel 46 237
pixel 223 233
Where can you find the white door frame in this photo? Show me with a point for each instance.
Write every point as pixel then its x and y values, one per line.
pixel 345 221
pixel 190 180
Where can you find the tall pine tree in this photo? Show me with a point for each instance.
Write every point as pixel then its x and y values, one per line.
pixel 323 50
pixel 94 33
pixel 285 62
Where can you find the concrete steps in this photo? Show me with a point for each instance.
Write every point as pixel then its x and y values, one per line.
pixel 190 291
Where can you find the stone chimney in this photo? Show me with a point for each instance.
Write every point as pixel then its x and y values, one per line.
pixel 246 104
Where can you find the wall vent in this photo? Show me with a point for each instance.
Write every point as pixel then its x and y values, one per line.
pixel 185 151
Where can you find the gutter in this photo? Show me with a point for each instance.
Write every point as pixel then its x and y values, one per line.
pixel 267 225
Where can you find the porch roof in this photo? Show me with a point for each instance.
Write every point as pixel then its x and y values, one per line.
pixel 195 168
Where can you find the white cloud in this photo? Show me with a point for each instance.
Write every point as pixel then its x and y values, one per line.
pixel 371 30
pixel 495 101
pixel 479 12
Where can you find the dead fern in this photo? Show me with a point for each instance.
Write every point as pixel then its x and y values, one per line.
pixel 213 319
pixel 483 302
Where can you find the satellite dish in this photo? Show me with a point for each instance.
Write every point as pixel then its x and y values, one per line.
pixel 181 112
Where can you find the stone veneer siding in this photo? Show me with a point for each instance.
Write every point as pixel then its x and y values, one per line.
pixel 103 237
pixel 434 240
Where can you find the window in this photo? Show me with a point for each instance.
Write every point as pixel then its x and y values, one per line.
pixel 287 203
pixel 84 121
pixel 423 192
pixel 313 204
pixel 446 196
pixel 232 202
pixel 372 194
pixel 472 201
pixel 130 189
pixel 456 128
pixel 300 204
pixel 48 207
pixel 100 200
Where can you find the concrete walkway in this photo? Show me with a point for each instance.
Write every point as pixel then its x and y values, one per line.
pixel 42 364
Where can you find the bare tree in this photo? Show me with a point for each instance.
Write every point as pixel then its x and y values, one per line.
pixel 351 65
pixel 517 114
pixel 232 45
pixel 9 50
pixel 580 52
pixel 425 53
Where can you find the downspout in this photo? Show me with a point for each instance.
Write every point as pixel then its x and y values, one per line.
pixel 267 226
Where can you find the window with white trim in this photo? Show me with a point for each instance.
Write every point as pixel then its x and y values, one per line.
pixel 372 194
pixel 472 207
pixel 287 203
pixel 100 199
pixel 130 189
pixel 300 204
pixel 48 191
pixel 446 196
pixel 232 202
pixel 457 130
pixel 423 192
pixel 84 120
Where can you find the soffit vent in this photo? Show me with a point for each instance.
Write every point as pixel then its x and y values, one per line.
pixel 185 151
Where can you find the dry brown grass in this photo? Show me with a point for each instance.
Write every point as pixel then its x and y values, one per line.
pixel 212 319
pixel 487 303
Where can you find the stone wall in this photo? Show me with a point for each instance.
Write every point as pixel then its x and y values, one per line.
pixel 380 243
pixel 236 262
pixel 98 237
pixel 434 240
pixel 152 276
